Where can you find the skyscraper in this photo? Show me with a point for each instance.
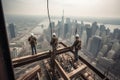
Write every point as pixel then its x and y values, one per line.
pixel 89 33
pixel 12 32
pixel 84 38
pixel 66 30
pixel 116 33
pixel 94 28
pixel 95 45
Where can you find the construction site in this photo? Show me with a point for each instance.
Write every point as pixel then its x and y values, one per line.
pixel 55 62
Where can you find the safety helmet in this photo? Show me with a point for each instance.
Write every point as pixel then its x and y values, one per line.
pixel 77 35
pixel 54 34
pixel 32 34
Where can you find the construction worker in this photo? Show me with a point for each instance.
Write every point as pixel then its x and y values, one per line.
pixel 32 40
pixel 54 41
pixel 77 46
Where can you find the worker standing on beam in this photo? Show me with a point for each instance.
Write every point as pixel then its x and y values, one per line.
pixel 54 44
pixel 33 41
pixel 77 46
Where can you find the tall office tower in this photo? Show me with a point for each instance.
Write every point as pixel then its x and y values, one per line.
pixel 12 30
pixel 62 26
pixel 52 24
pixel 89 33
pixel 102 28
pixel 58 27
pixel 116 34
pixel 89 43
pixel 95 45
pixel 97 32
pixel 94 28
pixel 84 38
pixel 107 31
pixel 66 30
pixel 68 20
pixel 77 26
pixel 81 28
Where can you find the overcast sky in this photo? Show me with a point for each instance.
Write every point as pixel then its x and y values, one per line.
pixel 86 8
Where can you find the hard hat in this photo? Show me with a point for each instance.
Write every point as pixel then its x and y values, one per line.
pixel 32 34
pixel 54 34
pixel 77 35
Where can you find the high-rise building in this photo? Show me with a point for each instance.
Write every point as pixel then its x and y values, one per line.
pixel 84 38
pixel 116 34
pixel 107 31
pixel 102 28
pixel 12 30
pixel 68 20
pixel 95 45
pixel 62 26
pixel 89 33
pixel 66 29
pixel 89 44
pixel 94 28
pixel 51 26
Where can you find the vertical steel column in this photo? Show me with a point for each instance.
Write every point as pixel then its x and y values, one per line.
pixel 6 70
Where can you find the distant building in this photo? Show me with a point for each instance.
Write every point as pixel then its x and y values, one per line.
pixel 107 31
pixel 104 49
pixel 110 54
pixel 94 28
pixel 12 31
pixel 89 33
pixel 89 44
pixel 116 34
pixel 68 20
pixel 66 30
pixel 104 63
pixel 97 32
pixel 102 29
pixel 95 45
pixel 84 38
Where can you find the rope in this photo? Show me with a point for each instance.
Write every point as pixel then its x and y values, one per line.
pixel 49 16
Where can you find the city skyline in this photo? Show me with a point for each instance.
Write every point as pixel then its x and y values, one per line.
pixel 85 8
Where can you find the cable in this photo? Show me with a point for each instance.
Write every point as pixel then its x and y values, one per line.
pixel 49 17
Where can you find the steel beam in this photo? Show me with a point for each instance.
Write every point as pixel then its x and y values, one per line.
pixel 31 74
pixel 17 62
pixel 60 69
pixel 77 71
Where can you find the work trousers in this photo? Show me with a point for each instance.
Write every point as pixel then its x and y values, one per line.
pixel 33 48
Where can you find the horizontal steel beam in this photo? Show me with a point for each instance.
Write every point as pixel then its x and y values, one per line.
pixel 31 74
pixel 17 62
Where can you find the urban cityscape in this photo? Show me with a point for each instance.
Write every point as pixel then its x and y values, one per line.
pixel 100 39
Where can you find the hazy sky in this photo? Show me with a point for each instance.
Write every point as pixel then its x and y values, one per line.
pixel 94 8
